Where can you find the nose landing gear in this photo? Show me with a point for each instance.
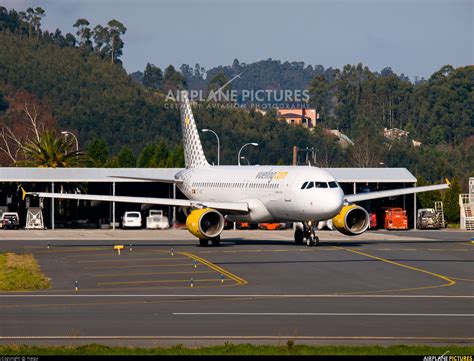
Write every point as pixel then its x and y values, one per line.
pixel 307 234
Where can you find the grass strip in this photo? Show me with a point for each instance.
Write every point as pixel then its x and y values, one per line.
pixel 20 272
pixel 239 349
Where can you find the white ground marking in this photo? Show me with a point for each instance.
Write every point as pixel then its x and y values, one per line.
pixel 321 314
pixel 230 296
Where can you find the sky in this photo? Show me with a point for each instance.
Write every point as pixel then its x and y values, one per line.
pixel 414 37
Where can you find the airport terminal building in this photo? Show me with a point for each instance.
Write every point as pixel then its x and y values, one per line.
pixel 105 181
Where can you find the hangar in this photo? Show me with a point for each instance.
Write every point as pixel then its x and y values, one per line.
pixel 105 181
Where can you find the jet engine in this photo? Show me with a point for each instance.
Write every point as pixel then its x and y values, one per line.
pixel 205 223
pixel 352 220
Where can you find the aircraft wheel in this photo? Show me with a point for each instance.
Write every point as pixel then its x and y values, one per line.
pixel 316 239
pixel 311 241
pixel 298 236
pixel 203 242
pixel 216 242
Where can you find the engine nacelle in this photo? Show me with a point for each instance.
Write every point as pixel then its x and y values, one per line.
pixel 352 220
pixel 205 223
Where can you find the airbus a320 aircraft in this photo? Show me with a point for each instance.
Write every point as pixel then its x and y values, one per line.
pixel 301 194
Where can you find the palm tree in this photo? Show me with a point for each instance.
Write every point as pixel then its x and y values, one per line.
pixel 51 151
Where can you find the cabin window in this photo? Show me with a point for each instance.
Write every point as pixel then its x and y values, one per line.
pixel 321 184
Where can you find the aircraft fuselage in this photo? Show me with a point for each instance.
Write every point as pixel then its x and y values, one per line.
pixel 273 193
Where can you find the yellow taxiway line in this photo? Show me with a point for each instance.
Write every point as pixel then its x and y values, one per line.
pixel 449 281
pixel 239 280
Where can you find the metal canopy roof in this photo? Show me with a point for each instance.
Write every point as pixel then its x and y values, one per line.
pixel 106 175
pixel 99 175
pixel 372 175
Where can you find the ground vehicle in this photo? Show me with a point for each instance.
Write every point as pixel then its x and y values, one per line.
pixel 272 226
pixel 427 218
pixel 9 220
pixel 396 218
pixel 373 220
pixel 156 220
pixel 242 225
pixel 132 220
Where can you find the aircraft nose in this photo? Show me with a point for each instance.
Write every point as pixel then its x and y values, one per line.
pixel 334 202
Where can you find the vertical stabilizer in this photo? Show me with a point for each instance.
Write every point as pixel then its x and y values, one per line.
pixel 193 154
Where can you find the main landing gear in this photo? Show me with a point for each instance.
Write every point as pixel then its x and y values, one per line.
pixel 307 234
pixel 216 242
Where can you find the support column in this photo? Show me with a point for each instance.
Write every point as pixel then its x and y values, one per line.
pixel 169 207
pixel 355 188
pixel 404 199
pixel 414 208
pixel 113 207
pixel 173 222
pixel 52 206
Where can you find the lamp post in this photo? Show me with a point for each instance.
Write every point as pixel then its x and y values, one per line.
pixel 218 143
pixel 66 133
pixel 248 163
pixel 238 157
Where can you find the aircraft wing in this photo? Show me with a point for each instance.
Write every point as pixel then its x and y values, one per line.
pixel 394 192
pixel 240 207
pixel 159 180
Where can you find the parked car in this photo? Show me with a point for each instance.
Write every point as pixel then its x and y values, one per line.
pixel 156 220
pixel 132 220
pixel 9 220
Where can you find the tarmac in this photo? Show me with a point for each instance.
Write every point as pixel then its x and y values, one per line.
pixel 383 287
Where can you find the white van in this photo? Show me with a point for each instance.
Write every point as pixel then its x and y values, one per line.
pixel 132 220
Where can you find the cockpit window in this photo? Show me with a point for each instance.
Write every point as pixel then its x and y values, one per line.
pixel 304 185
pixel 332 185
pixel 321 184
pixel 310 185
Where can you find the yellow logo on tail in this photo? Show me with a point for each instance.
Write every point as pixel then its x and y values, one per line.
pixel 187 120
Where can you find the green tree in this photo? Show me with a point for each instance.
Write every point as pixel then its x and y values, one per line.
pixel 146 159
pixel 152 76
pixel 427 199
pixel 116 30
pixel 218 81
pixel 98 153
pixel 102 40
pixel 83 32
pixel 320 94
pixel 126 159
pixel 451 202
pixel 173 80
pixel 51 151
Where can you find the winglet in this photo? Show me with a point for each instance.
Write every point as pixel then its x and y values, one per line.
pixel 447 182
pixel 23 193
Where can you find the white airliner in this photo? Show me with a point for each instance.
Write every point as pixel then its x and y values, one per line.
pixel 301 194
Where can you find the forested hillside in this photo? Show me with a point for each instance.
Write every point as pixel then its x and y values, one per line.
pixel 78 83
pixel 96 98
